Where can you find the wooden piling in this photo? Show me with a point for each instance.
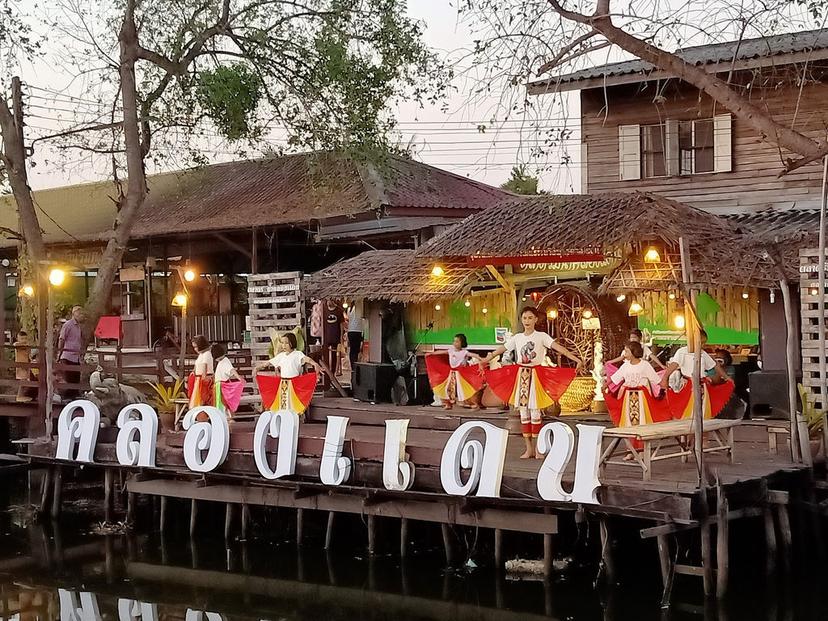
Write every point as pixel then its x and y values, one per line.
pixel 109 485
pixel 57 492
pixel 664 558
pixel 770 540
pixel 707 559
pixel 447 544
pixel 329 529
pixel 372 534
pixel 300 526
pixel 722 547
pixel 193 516
pixel 548 555
pixel 130 515
pixel 245 520
pixel 785 535
pixel 606 550
pixel 46 490
pixel 162 520
pixel 498 549
pixel 404 538
pixel 228 521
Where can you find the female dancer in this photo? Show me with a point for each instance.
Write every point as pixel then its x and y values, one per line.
pixel 451 377
pixel 527 385
pixel 200 381
pixel 290 389
pixel 634 403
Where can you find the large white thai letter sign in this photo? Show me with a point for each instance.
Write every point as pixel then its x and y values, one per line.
pixel 140 421
pixel 397 472
pixel 284 425
pixel 212 437
pixel 557 441
pixel 472 461
pixel 485 462
pixel 80 431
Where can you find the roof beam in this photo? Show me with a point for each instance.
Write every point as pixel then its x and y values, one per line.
pixel 237 247
pixel 551 85
pixel 499 278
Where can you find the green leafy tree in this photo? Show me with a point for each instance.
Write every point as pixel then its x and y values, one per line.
pixel 521 182
pixel 324 71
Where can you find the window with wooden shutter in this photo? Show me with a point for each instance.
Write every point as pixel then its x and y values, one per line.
pixel 653 153
pixel 722 143
pixel 629 152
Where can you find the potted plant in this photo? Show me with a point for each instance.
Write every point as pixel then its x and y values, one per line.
pixel 815 420
pixel 164 402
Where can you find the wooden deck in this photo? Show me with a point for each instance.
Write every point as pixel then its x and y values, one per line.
pixel 757 483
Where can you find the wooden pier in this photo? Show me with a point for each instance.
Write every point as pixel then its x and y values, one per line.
pixel 758 485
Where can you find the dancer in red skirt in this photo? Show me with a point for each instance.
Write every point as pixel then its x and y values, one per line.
pixel 451 377
pixel 527 385
pixel 291 389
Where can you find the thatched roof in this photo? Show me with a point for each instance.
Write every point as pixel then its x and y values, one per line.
pixel 392 275
pixel 613 222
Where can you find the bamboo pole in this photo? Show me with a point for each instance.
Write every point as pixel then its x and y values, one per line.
pixel 823 388
pixel 790 368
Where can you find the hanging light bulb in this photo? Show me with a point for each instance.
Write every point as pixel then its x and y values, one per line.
pixel 813 290
pixel 679 322
pixel 587 313
pixel 437 307
pixel 466 303
pixel 671 295
pixel 437 271
pixel 57 276
pixel 552 313
pixel 745 295
pixel 652 255
pixel 635 309
pixel 345 305
pixel 484 310
pixel 620 297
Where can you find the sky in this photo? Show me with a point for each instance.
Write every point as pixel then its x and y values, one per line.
pixel 448 138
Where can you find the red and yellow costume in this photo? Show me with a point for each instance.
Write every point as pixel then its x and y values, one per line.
pixel 200 390
pixel 452 383
pixel 530 389
pixel 281 393
pixel 715 397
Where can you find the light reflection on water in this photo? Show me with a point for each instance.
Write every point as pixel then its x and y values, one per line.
pixel 50 572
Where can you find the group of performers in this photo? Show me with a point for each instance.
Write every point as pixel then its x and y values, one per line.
pixel 635 392
pixel 214 381
pixel 529 384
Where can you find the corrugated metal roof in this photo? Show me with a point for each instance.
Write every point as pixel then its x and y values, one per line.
pixel 293 189
pixel 781 223
pixel 762 47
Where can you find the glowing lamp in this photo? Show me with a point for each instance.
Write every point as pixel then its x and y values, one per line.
pixel 745 295
pixel 587 313
pixel 57 277
pixel 671 295
pixel 437 307
pixel 180 300
pixel 620 298
pixel 466 303
pixel 679 322
pixel 345 305
pixel 652 256
pixel 635 309
pixel 27 291
pixel 189 275
pixel 552 313
pixel 813 291
pixel 484 310
pixel 437 271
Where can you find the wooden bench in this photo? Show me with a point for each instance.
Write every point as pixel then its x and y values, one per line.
pixel 657 437
pixel 776 429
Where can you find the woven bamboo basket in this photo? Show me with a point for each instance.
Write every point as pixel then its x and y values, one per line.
pixel 578 397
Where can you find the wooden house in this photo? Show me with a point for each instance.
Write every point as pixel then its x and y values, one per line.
pixel 642 129
pixel 293 213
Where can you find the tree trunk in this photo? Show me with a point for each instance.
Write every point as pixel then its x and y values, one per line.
pixel 132 201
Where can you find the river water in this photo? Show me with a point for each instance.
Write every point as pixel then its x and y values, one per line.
pixel 72 571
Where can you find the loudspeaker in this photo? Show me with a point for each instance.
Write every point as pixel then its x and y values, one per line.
pixel 769 393
pixel 372 382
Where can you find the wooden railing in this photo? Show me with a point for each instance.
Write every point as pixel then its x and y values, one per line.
pixel 128 367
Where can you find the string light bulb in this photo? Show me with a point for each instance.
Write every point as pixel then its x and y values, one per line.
pixel 189 275
pixel 57 277
pixel 652 255
pixel 484 310
pixel 587 313
pixel 671 295
pixel 437 271
pixel 745 295
pixel 552 313
pixel 466 303
pixel 437 307
pixel 679 322
pixel 620 298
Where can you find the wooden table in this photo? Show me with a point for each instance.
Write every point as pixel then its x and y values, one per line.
pixel 656 437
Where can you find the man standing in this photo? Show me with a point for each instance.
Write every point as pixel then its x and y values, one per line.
pixel 355 332
pixel 69 349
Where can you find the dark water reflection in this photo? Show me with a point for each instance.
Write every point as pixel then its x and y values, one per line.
pixel 66 572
